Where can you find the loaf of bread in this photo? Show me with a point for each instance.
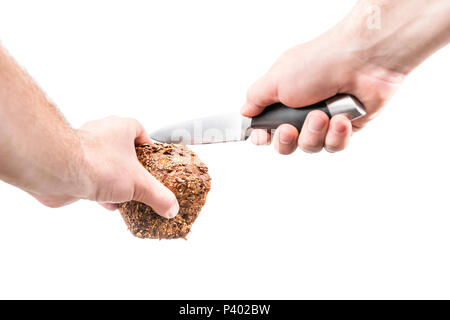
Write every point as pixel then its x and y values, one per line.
pixel 180 170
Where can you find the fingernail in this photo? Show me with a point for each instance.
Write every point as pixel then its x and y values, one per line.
pixel 338 127
pixel 286 138
pixel 173 211
pixel 316 124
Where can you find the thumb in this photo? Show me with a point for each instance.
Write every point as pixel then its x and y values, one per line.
pixel 153 193
pixel 299 78
pixel 261 94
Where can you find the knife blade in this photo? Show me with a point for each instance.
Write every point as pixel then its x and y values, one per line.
pixel 234 127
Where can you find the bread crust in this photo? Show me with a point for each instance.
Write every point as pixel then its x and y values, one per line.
pixel 180 170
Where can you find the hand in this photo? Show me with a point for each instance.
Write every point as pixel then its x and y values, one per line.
pixel 43 155
pixel 112 170
pixel 313 72
pixel 354 57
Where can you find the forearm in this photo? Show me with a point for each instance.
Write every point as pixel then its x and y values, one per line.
pixel 397 35
pixel 39 151
pixel 41 154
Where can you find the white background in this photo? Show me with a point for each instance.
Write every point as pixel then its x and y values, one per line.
pixel 370 222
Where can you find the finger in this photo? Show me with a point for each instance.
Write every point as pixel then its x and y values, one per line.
pixel 360 123
pixel 312 136
pixel 261 94
pixel 110 206
pixel 141 136
pixel 260 137
pixel 153 193
pixel 285 139
pixel 339 134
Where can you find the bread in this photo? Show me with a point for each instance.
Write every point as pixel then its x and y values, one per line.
pixel 180 170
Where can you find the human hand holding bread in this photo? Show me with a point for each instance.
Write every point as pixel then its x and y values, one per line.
pixel 59 165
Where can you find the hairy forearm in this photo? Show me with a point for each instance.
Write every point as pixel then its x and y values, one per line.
pixel 398 35
pixel 41 154
pixel 39 151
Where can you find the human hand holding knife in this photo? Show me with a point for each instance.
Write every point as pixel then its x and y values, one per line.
pixel 234 127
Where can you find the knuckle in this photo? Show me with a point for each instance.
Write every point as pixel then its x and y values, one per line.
pixel 259 138
pixel 310 148
pixel 287 93
pixel 333 148
pixel 335 145
pixel 310 145
pixel 358 125
pixel 287 97
pixel 320 114
pixel 286 152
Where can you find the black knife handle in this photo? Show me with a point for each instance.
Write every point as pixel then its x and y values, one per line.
pixel 277 114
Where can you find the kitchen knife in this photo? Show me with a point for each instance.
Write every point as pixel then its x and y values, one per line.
pixel 234 127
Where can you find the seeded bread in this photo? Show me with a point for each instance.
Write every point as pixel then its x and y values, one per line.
pixel 180 170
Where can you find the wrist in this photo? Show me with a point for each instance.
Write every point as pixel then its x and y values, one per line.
pixel 396 36
pixel 86 173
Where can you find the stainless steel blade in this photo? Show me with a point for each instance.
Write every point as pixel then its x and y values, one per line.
pixel 215 129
